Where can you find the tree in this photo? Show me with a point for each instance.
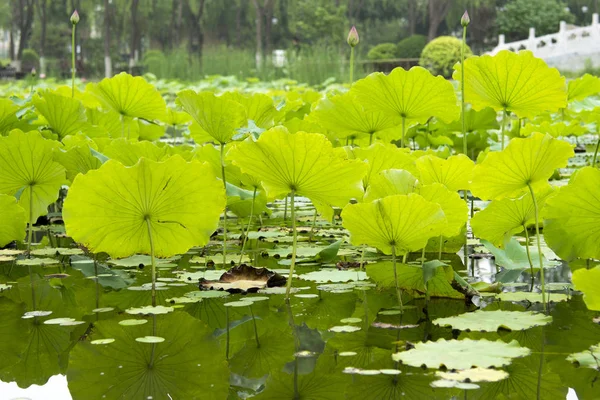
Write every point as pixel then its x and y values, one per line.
pixel 107 58
pixel 518 16
pixel 438 9
pixel 195 32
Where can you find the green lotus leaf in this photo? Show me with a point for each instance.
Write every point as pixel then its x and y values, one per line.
pixel 77 160
pixel 112 123
pixel 515 82
pixel 380 157
pixel 587 358
pixel 161 371
pixel 129 152
pixel 586 281
pixel 8 115
pixel 491 321
pixel 405 222
pixel 455 209
pixel 28 172
pixel 302 162
pixel 65 115
pixel 572 217
pixel 210 154
pixel 150 131
pixel 462 354
pixel 582 87
pixel 13 220
pixel 112 209
pixel 523 162
pixel 177 118
pixel 259 108
pixel 555 128
pixel 414 95
pixel 390 182
pixel 129 96
pixel 217 118
pixel 345 116
pixel 502 219
pixel 513 258
pixel 455 172
pixel 481 120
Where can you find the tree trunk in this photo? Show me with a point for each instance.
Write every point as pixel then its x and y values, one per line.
pixel 42 12
pixel 196 34
pixel 25 21
pixel 107 60
pixel 438 9
pixel 134 35
pixel 259 28
pixel 412 17
pixel 268 10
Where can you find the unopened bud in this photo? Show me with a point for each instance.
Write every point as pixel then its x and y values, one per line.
pixel 353 37
pixel 465 20
pixel 33 72
pixel 75 17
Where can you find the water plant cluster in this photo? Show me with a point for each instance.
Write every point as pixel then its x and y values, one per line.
pixel 122 206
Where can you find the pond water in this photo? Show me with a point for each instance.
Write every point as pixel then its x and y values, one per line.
pixel 70 318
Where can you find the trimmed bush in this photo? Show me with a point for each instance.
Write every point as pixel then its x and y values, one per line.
pixel 29 59
pixel 382 51
pixel 440 55
pixel 412 46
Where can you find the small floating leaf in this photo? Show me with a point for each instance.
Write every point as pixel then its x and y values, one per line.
pixel 344 329
pixel 133 322
pixel 150 310
pixel 102 341
pixel 491 321
pixel 150 339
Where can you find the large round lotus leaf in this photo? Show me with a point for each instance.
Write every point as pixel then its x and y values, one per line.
pixel 259 108
pixel 455 172
pixel 524 161
pixel 12 220
pixel 186 365
pixel 502 219
pixel 587 358
pixel 65 115
pixel 109 209
pixel 491 321
pixel 129 96
pixel 216 117
pixel 587 281
pixel 27 168
pixel 390 182
pixel 380 157
pixel 516 82
pixel 455 209
pixel 129 152
pixel 572 217
pixel 303 162
pixel 415 95
pixel 8 115
pixel 556 128
pixel 77 160
pixel 582 87
pixel 462 354
pixel 345 116
pixel 404 221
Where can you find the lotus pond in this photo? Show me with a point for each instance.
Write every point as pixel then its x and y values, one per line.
pixel 230 240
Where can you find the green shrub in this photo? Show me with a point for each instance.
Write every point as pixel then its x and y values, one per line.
pixel 29 59
pixel 412 46
pixel 382 51
pixel 440 55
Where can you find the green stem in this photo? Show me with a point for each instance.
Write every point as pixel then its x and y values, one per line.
pixel 403 131
pixel 398 292
pixel 371 139
pixel 539 246
pixel 312 229
pixel 255 329
pixel 153 262
pixel 466 247
pixel 504 115
pixel 351 65
pixel 30 231
pixel 224 211
pixel 596 152
pixel 294 244
pixel 362 256
pixel 462 88
pixel 528 256
pixel 441 248
pixel 73 61
pixel 227 333
pixel 151 364
pixel 285 211
pixel 248 226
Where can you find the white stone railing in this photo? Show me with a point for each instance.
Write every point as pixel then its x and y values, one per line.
pixel 579 42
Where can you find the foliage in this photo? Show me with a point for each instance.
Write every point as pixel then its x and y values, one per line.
pixel 518 16
pixel 411 47
pixel 383 51
pixel 440 55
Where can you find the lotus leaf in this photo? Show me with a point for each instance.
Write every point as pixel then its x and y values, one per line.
pixel 586 281
pixel 380 157
pixel 390 182
pixel 259 108
pixel 112 209
pixel 77 160
pixel 8 115
pixel 13 221
pixel 491 321
pixel 65 115
pixel 455 172
pixel 129 152
pixel 582 87
pixel 587 358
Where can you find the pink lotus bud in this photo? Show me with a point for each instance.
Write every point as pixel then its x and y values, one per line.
pixel 353 37
pixel 75 17
pixel 465 20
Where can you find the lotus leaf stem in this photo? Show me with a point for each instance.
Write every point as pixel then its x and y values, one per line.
pixel 294 245
pixel 462 88
pixel 224 211
pixel 73 60
pixel 30 230
pixel 255 329
pixel 503 127
pixel 362 256
pixel 403 131
pixel 596 152
pixel 285 211
pixel 227 333
pixel 153 261
pixel 441 247
pixel 351 65
pixel 248 226
pixel 312 229
pixel 528 255
pixel 398 292
pixel 539 245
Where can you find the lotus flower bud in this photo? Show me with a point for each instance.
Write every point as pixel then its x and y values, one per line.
pixel 75 17
pixel 465 20
pixel 353 37
pixel 33 72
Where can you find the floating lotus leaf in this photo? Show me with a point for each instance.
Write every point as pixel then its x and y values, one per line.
pixel 491 321
pixel 244 279
pixel 406 222
pixel 587 358
pixel 474 375
pixel 27 169
pixel 532 297
pixel 380 157
pixel 8 116
pixel 582 87
pixel 415 95
pixel 345 116
pixel 259 108
pixel 112 208
pixel 302 162
pixel 129 96
pixel 502 219
pixel 515 82
pixel 216 117
pixel 13 220
pixel 65 115
pixel 455 172
pixel 586 281
pixel 572 217
pixel 523 162
pixel 334 275
pixel 462 354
